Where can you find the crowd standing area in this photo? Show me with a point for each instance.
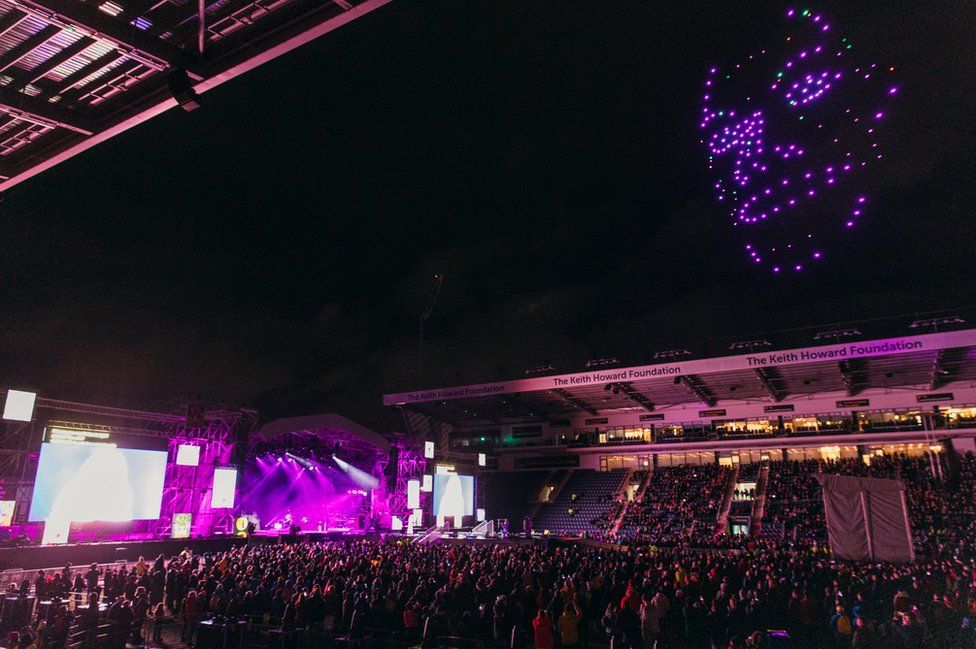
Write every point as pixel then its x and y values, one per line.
pixel 668 587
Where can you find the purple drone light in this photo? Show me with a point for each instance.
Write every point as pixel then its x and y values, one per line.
pixel 791 135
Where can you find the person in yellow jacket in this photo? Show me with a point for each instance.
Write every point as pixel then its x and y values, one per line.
pixel 568 627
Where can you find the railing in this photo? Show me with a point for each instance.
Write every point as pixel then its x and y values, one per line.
pixel 432 534
pixel 268 636
pixel 484 528
pixel 17 575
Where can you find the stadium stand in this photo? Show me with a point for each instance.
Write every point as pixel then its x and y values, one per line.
pixel 679 502
pixel 582 503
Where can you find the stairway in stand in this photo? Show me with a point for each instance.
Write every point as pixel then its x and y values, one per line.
pixel 638 496
pixel 723 512
pixel 557 478
pixel 759 503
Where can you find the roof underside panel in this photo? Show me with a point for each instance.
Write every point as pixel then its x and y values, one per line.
pixel 76 72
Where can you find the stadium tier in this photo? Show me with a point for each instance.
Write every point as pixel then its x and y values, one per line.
pixel 582 504
pixel 909 389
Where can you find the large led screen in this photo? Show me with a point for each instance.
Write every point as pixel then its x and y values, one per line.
pixel 453 495
pixel 97 482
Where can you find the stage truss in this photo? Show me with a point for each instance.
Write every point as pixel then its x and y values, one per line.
pixel 216 428
pixel 410 465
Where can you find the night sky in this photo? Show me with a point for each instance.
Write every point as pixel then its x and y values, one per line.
pixel 276 247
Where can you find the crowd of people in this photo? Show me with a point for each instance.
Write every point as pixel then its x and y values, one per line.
pixel 679 503
pixel 663 589
pixel 940 497
pixel 546 596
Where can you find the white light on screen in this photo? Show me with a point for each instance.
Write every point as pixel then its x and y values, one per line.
pixel 481 514
pixel 429 450
pixel 482 459
pixel 396 523
pixel 19 405
pixel 413 494
pixel 55 532
pixel 188 455
pixel 418 517
pixel 7 512
pixel 428 485
pixel 224 485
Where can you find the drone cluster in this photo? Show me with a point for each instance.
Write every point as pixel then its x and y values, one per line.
pixel 792 134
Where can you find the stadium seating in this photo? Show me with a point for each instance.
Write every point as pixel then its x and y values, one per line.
pixel 678 501
pixel 583 501
pixel 940 494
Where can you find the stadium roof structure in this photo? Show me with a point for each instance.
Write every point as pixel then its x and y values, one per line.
pixel 926 362
pixel 74 73
pixel 326 428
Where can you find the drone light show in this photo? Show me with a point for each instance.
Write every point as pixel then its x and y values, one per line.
pixel 793 137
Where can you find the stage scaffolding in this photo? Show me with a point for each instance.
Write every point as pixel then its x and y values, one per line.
pixel 216 428
pixel 410 465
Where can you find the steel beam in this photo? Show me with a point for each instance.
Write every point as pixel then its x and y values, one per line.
pixel 852 375
pixel 946 362
pixel 25 47
pixel 574 401
pixel 70 95
pixel 90 20
pixel 108 411
pixel 85 71
pixel 697 388
pixel 635 396
pixel 38 111
pixel 768 377
pixel 11 20
pixel 68 52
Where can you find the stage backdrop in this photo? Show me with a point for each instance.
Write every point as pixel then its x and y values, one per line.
pixel 867 518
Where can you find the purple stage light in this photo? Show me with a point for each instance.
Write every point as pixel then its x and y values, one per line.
pixel 808 104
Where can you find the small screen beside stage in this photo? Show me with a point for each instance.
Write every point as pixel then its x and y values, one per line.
pixel 7 512
pixel 453 495
pixel 188 455
pixel 224 486
pixel 97 482
pixel 182 524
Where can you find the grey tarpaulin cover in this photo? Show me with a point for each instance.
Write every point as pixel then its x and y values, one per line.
pixel 867 519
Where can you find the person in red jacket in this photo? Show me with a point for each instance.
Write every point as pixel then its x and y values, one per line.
pixel 192 612
pixel 542 626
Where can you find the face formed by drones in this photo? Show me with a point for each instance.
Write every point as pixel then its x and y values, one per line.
pixel 792 136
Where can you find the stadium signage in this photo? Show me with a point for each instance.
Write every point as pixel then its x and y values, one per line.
pixel 61 435
pixel 526 431
pixel 780 407
pixel 819 354
pixel 853 403
pixel 656 416
pixel 716 412
pixel 938 396
pixel 858 350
